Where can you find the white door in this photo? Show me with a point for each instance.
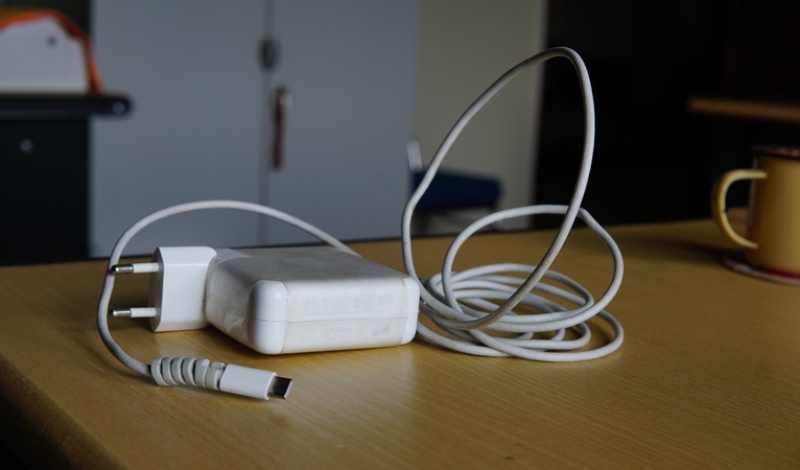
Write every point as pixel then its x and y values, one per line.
pixel 350 69
pixel 201 124
pixel 191 70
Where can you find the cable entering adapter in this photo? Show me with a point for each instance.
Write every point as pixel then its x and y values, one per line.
pixel 229 378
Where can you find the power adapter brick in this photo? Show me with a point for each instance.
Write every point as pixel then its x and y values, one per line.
pixel 281 300
pixel 285 300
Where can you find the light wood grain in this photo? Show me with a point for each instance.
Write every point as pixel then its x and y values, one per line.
pixel 709 376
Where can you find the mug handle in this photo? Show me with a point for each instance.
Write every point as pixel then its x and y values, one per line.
pixel 718 203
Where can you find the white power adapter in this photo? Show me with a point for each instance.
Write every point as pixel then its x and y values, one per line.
pixel 280 300
pixel 312 299
pixel 275 300
pixel 289 300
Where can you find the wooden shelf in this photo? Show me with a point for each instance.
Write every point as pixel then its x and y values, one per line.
pixel 745 109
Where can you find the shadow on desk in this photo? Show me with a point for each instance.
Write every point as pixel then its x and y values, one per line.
pixel 8 460
pixel 691 242
pixel 656 247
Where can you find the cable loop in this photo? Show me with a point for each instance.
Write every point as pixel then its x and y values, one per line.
pixel 473 306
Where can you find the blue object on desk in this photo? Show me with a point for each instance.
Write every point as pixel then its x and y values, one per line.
pixel 452 189
pixel 457 190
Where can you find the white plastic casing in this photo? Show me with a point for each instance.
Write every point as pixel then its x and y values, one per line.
pixel 39 56
pixel 177 290
pixel 289 300
pixel 246 381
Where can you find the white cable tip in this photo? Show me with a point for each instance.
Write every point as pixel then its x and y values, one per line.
pixel 254 383
pixel 230 378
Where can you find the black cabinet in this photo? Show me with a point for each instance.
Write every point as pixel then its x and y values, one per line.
pixel 44 175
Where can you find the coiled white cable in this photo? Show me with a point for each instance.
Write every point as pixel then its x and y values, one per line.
pixel 472 330
pixel 473 324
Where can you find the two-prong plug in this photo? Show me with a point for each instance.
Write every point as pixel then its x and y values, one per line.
pixel 177 288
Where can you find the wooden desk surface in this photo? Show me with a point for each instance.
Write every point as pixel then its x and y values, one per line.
pixel 709 376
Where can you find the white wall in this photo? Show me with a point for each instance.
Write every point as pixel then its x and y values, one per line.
pixel 464 46
pixel 191 70
pixel 201 127
pixel 350 68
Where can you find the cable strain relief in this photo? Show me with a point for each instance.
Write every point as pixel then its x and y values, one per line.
pixel 230 378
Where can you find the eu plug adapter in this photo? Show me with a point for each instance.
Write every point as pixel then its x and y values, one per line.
pixel 280 300
pixel 177 288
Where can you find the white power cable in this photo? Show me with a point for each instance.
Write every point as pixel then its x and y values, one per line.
pixel 462 304
pixel 472 329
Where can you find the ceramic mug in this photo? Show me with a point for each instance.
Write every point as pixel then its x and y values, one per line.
pixel 772 240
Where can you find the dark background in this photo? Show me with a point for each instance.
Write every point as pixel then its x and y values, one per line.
pixel 655 161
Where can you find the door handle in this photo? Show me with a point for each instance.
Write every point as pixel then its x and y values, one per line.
pixel 281 102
